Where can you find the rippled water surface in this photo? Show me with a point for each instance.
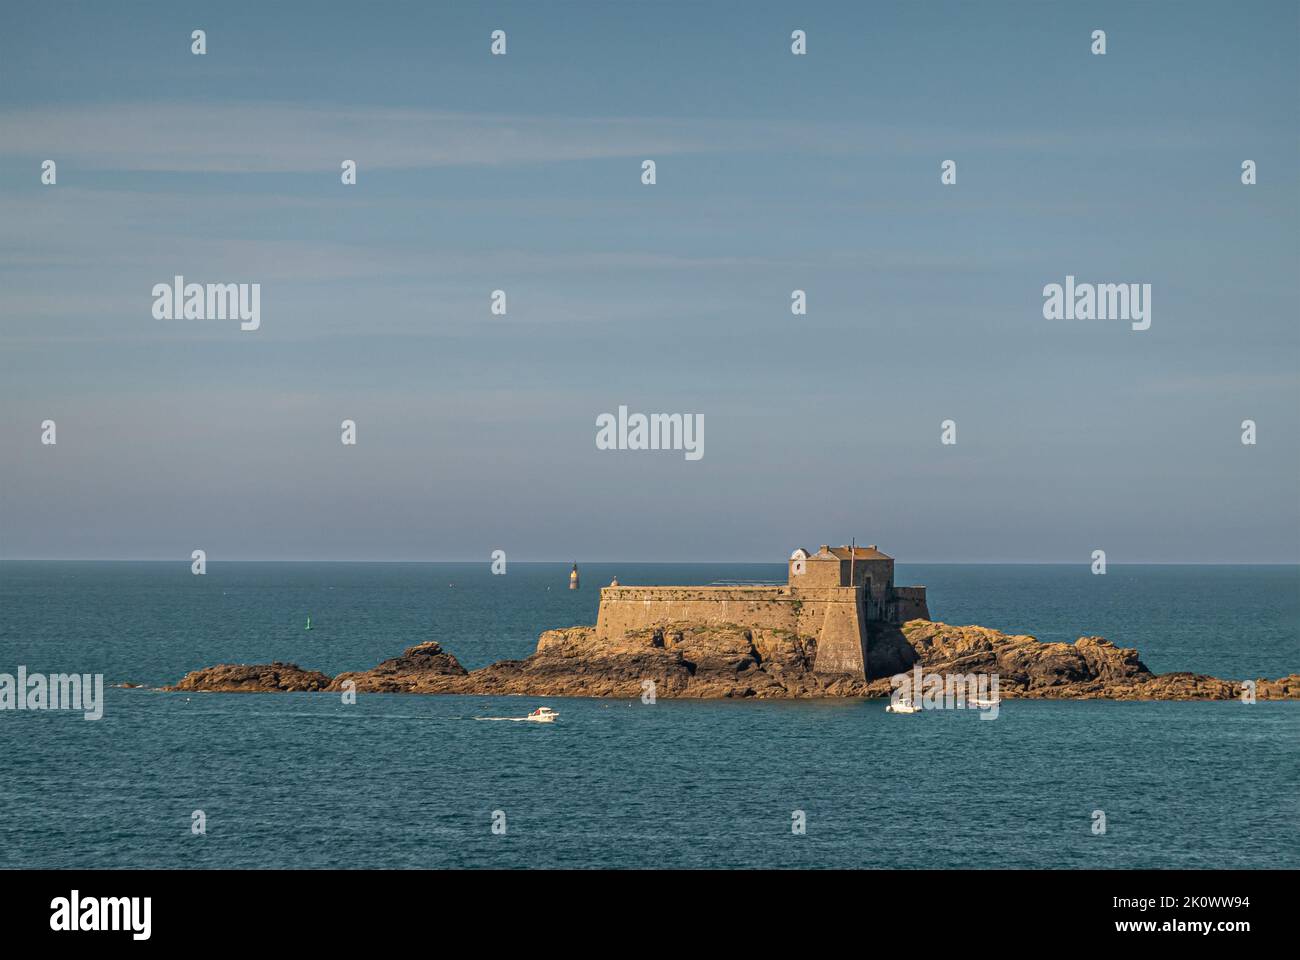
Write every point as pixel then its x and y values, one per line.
pixel 410 781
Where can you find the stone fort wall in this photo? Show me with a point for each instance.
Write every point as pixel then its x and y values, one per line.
pixel 831 614
pixel 910 604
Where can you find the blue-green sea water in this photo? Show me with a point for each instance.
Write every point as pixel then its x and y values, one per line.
pixel 303 780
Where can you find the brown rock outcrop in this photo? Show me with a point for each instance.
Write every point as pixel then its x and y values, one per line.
pixel 694 661
pixel 258 678
pixel 424 668
pixel 722 661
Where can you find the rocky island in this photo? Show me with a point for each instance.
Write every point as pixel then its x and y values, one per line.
pixel 838 628
pixel 715 661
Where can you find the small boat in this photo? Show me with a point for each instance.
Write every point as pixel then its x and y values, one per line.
pixel 309 623
pixel 904 705
pixel 981 703
pixel 540 715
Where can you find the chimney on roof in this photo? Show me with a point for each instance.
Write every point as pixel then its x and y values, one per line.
pixel 872 547
pixel 826 548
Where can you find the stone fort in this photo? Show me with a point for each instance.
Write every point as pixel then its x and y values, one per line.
pixel 834 596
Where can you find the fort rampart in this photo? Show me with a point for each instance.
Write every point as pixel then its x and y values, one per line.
pixel 831 597
pixel 832 615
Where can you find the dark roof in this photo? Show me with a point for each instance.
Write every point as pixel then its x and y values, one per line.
pixel 860 553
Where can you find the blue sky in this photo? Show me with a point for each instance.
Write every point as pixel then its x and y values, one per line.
pixel 775 172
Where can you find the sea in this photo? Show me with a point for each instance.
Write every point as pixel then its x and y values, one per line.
pixel 411 781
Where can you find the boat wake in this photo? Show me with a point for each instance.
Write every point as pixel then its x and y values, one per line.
pixel 540 715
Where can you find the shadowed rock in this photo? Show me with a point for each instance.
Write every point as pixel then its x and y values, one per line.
pixel 424 668
pixel 259 678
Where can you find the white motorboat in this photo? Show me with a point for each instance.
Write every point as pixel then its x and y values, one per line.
pixel 540 715
pixel 903 705
pixel 982 704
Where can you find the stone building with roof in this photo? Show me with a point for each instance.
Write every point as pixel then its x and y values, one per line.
pixel 866 567
pixel 834 600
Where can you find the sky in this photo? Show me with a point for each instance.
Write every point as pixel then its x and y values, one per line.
pixel 774 172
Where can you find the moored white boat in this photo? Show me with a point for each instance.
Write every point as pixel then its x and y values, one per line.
pixel 903 705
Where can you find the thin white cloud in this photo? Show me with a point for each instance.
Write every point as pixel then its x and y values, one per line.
pixel 275 137
pixel 283 138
